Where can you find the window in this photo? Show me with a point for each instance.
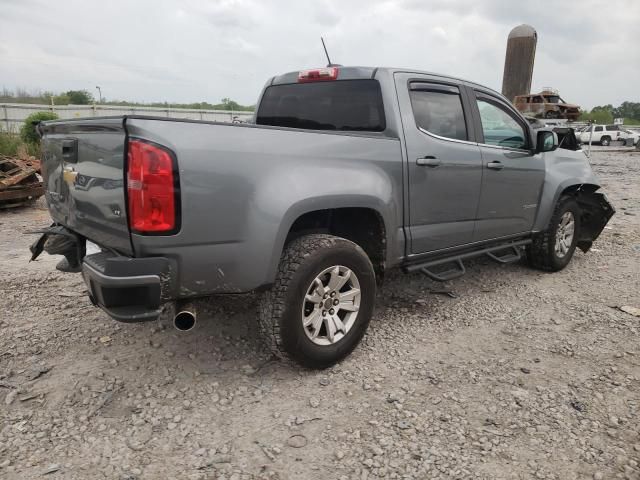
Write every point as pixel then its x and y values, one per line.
pixel 538 100
pixel 598 129
pixel 438 110
pixel 346 105
pixel 612 128
pixel 499 126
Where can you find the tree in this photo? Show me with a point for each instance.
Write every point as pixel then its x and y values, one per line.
pixel 79 97
pixel 228 104
pixel 28 131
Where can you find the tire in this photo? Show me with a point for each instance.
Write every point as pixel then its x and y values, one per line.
pixel 605 141
pixel 543 253
pixel 282 309
pixel 551 114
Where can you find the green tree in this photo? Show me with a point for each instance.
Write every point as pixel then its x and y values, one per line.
pixel 79 97
pixel 228 104
pixel 28 131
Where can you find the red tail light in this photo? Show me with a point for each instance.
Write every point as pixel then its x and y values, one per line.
pixel 318 75
pixel 151 188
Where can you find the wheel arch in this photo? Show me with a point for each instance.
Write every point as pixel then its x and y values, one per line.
pixel 361 219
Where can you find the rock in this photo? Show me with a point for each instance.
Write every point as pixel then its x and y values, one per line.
pixel 54 467
pixel 525 370
pixel 339 455
pixel 314 402
pixel 403 425
pixel 10 397
pixel 631 310
pixel 297 441
pixel 598 476
pixel 105 339
pixel 324 381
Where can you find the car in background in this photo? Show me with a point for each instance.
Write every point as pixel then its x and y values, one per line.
pixel 630 134
pixel 602 134
pixel 546 104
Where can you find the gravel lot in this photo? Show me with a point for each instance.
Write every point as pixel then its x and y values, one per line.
pixel 522 375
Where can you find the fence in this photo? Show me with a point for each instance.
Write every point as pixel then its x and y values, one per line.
pixel 12 115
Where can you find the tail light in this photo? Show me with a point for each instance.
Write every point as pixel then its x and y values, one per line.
pixel 318 75
pixel 152 189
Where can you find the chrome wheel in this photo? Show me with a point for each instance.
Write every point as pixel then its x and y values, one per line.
pixel 564 234
pixel 331 305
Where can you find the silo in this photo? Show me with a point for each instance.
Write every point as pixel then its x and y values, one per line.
pixel 518 63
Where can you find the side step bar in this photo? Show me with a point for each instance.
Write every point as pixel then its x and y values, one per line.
pixel 457 270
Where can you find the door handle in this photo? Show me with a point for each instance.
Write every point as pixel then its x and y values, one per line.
pixel 495 165
pixel 428 161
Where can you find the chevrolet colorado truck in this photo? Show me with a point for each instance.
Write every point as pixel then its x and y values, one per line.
pixel 345 173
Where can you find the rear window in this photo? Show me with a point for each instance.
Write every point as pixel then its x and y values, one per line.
pixel 346 105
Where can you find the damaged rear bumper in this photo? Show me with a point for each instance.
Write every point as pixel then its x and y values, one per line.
pixel 127 289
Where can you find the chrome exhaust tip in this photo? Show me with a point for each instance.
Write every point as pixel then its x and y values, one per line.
pixel 185 319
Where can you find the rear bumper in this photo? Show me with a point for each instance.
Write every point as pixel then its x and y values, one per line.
pixel 127 289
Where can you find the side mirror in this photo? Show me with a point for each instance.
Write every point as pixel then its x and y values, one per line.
pixel 547 141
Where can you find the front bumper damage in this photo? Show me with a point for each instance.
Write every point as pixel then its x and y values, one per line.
pixel 596 212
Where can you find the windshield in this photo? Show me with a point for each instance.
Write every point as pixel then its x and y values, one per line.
pixel 347 105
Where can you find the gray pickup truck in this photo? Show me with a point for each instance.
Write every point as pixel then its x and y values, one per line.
pixel 345 173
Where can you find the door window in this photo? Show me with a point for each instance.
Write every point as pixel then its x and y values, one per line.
pixel 598 129
pixel 438 110
pixel 500 127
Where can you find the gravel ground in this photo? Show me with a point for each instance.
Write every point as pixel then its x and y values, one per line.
pixel 522 375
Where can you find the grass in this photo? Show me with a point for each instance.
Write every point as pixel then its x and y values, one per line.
pixel 11 144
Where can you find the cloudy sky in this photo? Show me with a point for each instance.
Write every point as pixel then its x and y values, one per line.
pixel 189 50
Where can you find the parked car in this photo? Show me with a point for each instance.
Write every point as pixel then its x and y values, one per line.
pixel 347 173
pixel 602 134
pixel 627 134
pixel 546 104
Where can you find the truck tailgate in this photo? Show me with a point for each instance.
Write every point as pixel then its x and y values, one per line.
pixel 83 171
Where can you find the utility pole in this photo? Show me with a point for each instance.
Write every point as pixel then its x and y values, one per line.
pixel 99 93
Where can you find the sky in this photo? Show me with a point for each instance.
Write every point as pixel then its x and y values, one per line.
pixel 190 51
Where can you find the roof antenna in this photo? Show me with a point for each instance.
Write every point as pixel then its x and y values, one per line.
pixel 327 54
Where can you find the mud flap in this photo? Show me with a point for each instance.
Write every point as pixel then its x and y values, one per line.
pixel 596 212
pixel 58 240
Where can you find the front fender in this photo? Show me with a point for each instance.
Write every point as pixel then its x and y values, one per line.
pixel 565 170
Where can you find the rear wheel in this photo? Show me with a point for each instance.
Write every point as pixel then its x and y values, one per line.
pixel 605 141
pixel 321 303
pixel 553 249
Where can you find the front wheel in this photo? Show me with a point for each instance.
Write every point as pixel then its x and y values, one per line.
pixel 553 249
pixel 321 303
pixel 605 141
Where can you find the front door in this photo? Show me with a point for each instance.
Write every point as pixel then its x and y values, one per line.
pixel 513 176
pixel 444 163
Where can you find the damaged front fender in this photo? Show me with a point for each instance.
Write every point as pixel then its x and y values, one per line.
pixel 596 212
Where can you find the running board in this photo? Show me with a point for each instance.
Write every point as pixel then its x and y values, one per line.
pixel 457 270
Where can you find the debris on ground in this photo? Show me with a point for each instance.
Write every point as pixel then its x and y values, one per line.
pixel 635 311
pixel 20 180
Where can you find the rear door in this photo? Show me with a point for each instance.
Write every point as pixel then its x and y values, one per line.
pixel 444 163
pixel 83 171
pixel 512 175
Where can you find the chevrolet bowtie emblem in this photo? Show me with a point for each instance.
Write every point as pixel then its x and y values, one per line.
pixel 69 176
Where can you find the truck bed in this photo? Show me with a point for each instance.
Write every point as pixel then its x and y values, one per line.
pixel 234 214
